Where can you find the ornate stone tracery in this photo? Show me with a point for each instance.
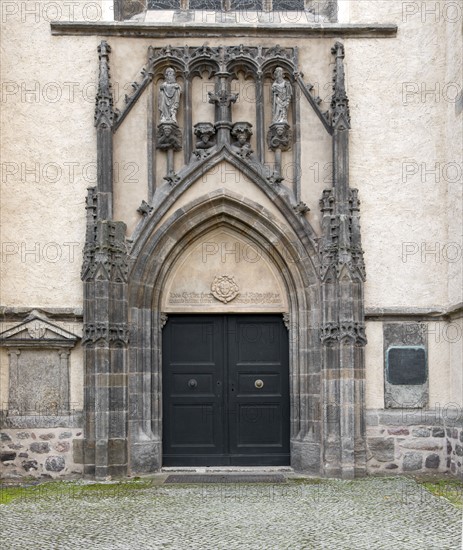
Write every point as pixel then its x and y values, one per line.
pixel 122 284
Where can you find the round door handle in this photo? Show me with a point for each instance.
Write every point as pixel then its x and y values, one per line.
pixel 259 384
pixel 192 383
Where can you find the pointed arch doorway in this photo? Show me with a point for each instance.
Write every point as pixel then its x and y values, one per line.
pixel 226 390
pixel 176 266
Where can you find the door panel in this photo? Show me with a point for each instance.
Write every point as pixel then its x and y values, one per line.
pixel 225 390
pixel 192 388
pixel 258 390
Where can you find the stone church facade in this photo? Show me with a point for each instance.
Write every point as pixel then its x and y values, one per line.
pixel 232 237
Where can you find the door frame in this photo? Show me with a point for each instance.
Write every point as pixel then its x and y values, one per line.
pixel 155 253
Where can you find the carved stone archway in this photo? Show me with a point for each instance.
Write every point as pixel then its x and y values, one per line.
pixel 124 280
pixel 148 279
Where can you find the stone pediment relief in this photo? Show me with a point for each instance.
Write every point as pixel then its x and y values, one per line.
pixel 225 271
pixel 37 331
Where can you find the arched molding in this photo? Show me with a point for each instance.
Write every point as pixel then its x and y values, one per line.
pixel 153 258
pixel 255 172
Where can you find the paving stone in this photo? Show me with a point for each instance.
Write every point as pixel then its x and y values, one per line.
pixel 381 513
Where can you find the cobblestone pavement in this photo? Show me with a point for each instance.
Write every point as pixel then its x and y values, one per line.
pixel 371 514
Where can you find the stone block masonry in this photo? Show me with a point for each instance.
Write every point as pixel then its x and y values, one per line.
pixel 40 453
pixel 418 444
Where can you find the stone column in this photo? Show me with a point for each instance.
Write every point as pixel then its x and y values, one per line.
pixel 105 338
pixel 343 329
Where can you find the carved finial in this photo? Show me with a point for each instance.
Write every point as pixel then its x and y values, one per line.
pixel 301 208
pixel 163 318
pixel 339 101
pixel 104 111
pixel 222 98
pixel 144 209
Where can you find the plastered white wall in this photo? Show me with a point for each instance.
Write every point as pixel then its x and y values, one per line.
pixel 398 135
pixel 374 366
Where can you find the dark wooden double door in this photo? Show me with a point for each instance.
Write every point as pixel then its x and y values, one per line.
pixel 225 391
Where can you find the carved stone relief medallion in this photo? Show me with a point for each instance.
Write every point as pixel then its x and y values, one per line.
pixel 36 331
pixel 224 288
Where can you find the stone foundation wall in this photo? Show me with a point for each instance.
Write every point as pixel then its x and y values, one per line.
pixel 454 440
pixel 40 452
pixel 413 442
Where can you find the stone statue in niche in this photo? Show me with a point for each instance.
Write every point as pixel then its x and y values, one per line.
pixel 169 97
pixel 242 133
pixel 281 97
pixel 205 139
pixel 279 136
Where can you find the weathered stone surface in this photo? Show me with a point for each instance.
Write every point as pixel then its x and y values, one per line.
pixel 29 465
pixel 438 432
pixel 391 467
pixel 62 446
pixel 422 445
pixel 449 447
pixel 65 435
pixel 421 432
pixel 23 455
pixel 15 446
pixel 23 435
pixel 6 456
pixel 55 463
pixel 381 449
pixel 40 448
pixel 78 451
pixel 4 437
pixel 459 450
pixel 461 436
pixel 46 437
pixel 398 431
pixel 412 461
pixel 432 461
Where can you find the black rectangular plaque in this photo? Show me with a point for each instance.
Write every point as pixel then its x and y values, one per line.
pixel 406 366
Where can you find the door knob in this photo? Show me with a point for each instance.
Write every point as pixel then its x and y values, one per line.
pixel 192 383
pixel 259 384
